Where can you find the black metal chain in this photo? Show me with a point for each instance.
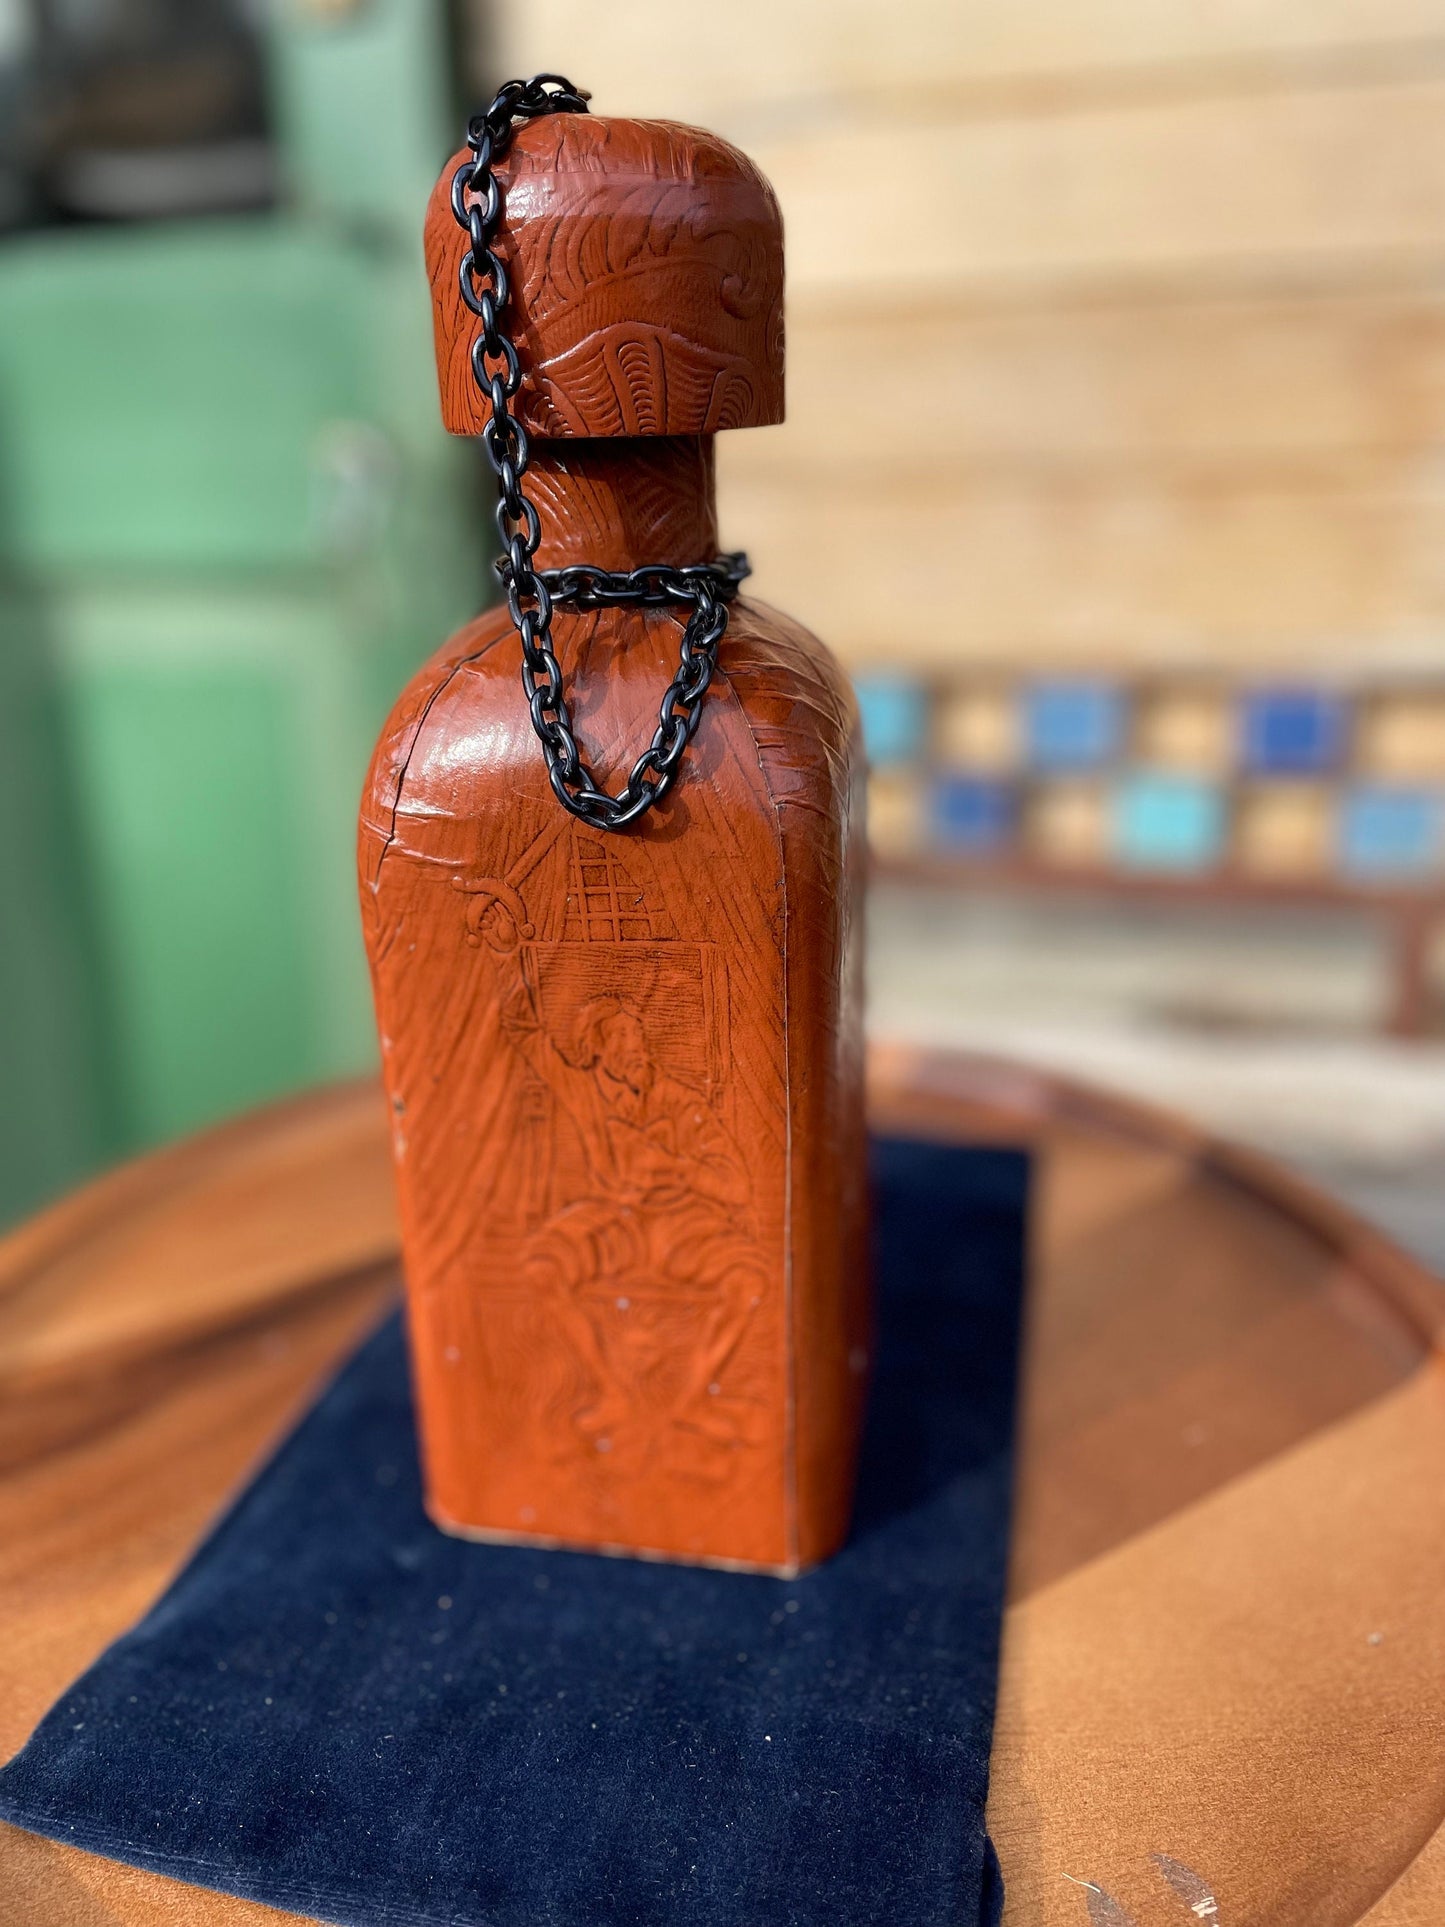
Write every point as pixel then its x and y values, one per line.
pixel 531 592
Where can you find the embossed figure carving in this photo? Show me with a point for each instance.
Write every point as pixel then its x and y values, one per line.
pixel 657 1215
pixel 625 1069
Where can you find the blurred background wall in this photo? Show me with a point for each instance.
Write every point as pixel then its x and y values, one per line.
pixel 1113 469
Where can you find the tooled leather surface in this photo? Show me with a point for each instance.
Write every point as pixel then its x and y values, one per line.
pixel 721 946
pixel 625 1072
pixel 804 721
pixel 611 502
pixel 646 269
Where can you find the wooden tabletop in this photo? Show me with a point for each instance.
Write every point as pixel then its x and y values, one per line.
pixel 1223 1688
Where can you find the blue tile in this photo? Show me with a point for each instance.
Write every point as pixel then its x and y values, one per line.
pixel 1293 732
pixel 972 814
pixel 895 718
pixel 1074 725
pixel 1391 832
pixel 1168 822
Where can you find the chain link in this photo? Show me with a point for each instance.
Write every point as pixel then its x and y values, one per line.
pixel 706 588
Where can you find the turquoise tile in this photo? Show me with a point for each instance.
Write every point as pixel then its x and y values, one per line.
pixel 1168 822
pixel 895 718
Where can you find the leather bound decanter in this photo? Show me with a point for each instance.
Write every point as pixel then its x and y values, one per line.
pixel 621 1040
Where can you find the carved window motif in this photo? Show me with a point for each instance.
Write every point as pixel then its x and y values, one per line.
pixel 604 903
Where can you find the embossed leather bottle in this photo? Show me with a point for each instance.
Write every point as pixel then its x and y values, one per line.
pixel 625 1068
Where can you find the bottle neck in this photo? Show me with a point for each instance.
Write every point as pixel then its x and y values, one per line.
pixel 625 502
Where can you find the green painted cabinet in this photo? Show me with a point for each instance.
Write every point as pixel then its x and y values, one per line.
pixel 230 525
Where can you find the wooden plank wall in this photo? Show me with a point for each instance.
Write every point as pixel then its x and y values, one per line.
pixel 1116 332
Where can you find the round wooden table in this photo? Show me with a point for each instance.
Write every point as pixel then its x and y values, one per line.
pixel 1223 1688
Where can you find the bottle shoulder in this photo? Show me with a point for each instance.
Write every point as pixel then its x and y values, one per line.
pixel 466 648
pixel 779 697
pixel 799 704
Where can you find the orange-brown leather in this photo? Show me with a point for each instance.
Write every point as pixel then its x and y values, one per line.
pixel 625 1071
pixel 645 262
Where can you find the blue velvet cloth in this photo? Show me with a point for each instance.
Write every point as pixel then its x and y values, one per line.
pixel 337 1709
